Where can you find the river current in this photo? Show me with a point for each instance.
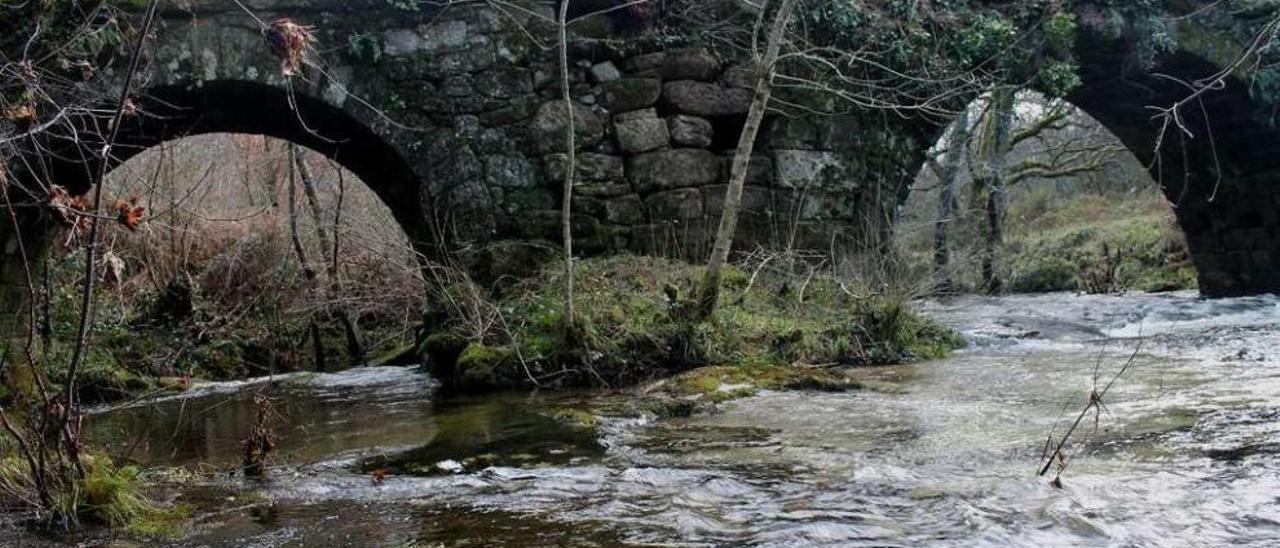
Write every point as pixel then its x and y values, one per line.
pixel 1184 449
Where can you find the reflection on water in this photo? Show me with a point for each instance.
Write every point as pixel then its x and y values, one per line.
pixel 315 416
pixel 1185 453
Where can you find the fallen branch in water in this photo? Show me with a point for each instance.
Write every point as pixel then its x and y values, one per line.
pixel 1095 404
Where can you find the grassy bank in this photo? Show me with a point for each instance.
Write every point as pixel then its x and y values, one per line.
pixel 1098 243
pixel 236 314
pixel 630 327
pixel 1060 238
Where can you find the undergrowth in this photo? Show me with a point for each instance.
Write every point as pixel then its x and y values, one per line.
pixel 1098 244
pixel 107 495
pixel 631 327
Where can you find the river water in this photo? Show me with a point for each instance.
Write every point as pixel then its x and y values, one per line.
pixel 1184 450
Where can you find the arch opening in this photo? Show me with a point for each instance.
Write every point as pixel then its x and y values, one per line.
pixel 169 113
pixel 1213 167
pixel 1072 208
pixel 255 256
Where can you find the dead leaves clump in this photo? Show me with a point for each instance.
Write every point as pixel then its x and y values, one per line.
pixel 288 41
pixel 128 213
pixel 75 211
pixel 22 115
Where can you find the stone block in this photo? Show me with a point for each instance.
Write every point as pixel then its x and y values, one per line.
pixel 739 77
pixel 807 168
pixel 445 35
pixel 626 210
pixel 691 64
pixel 550 121
pixel 682 204
pixel 516 201
pixel 792 133
pixel 704 99
pixel 591 167
pixel 636 115
pixel 459 85
pixel 629 94
pixel 690 131
pixel 649 64
pixel 605 72
pixel 504 84
pixel 607 189
pixel 642 135
pixel 397 42
pixel 510 172
pixel 756 201
pixel 665 169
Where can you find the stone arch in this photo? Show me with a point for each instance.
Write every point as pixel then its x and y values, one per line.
pixel 1220 175
pixel 167 113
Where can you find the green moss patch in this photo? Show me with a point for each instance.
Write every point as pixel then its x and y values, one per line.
pixel 1086 244
pixel 630 328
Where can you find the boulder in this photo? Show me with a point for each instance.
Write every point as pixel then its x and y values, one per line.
pixel 591 167
pixel 627 210
pixel 605 72
pixel 691 64
pixel 704 99
pixel 665 169
pixel 642 135
pixel 683 204
pixel 551 119
pixel 628 94
pixel 690 131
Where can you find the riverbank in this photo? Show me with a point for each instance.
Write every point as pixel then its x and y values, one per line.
pixel 774 318
pixel 902 461
pixel 631 327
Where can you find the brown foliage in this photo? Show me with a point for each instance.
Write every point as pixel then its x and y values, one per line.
pixel 288 41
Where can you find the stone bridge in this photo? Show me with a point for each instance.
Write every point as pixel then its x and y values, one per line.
pixel 451 117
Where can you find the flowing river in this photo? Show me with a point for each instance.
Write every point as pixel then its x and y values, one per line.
pixel 1184 450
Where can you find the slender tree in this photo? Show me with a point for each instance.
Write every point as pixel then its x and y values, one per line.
pixel 709 292
pixel 948 175
pixel 989 183
pixel 570 166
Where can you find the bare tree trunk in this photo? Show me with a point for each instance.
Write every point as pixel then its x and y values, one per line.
pixel 566 208
pixel 355 339
pixel 709 292
pixel 957 140
pixel 329 254
pixel 309 189
pixel 1002 128
pixel 308 271
pixel 70 426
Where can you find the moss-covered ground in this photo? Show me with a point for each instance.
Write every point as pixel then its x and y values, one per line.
pixel 630 328
pixel 1096 243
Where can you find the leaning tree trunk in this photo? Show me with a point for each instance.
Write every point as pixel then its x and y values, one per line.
pixel 709 292
pixel 308 271
pixel 957 140
pixel 1001 136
